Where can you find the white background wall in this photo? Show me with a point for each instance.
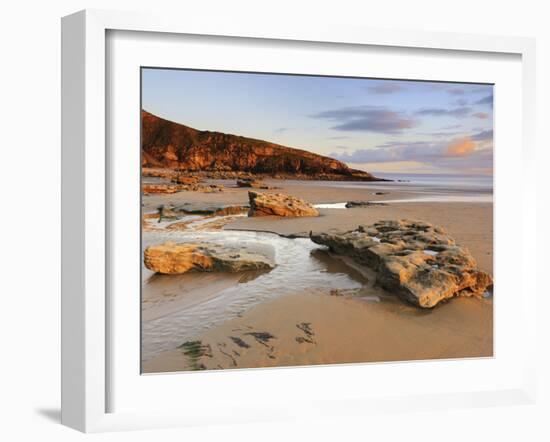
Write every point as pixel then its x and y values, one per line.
pixel 30 220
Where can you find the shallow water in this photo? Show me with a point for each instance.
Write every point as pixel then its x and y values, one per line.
pixel 442 198
pixel 331 206
pixel 300 265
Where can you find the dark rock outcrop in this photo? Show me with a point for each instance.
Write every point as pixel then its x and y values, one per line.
pixel 250 182
pixel 352 204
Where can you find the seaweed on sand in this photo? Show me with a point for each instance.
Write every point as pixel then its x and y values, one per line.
pixel 239 342
pixel 262 337
pixel 195 350
pixel 306 328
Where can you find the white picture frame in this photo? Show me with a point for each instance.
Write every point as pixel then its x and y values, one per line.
pixel 85 233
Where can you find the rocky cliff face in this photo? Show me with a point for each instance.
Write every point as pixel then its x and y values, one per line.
pixel 171 145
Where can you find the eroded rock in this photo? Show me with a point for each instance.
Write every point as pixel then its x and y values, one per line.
pixel 415 260
pixel 176 212
pixel 160 188
pixel 172 258
pixel 184 179
pixel 278 204
pixel 156 172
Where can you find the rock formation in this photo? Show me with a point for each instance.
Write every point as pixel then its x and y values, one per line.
pixel 175 212
pixel 352 204
pixel 251 182
pixel 158 173
pixel 160 188
pixel 415 260
pixel 278 204
pixel 170 145
pixel 172 259
pixel 183 179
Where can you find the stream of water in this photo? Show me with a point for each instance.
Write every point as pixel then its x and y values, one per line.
pixel 301 266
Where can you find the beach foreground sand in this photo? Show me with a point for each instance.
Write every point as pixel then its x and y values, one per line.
pixel 303 327
pixel 316 328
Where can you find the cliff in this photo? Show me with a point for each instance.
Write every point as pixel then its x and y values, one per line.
pixel 171 145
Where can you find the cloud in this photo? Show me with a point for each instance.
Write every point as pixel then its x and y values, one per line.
pixel 484 135
pixel 460 102
pixel 342 137
pixel 488 100
pixel 456 91
pixel 481 115
pixel 460 153
pixel 385 88
pixel 450 88
pixel 478 160
pixel 460 148
pixel 394 151
pixel 368 119
pixel 280 130
pixel 458 112
pixel 442 134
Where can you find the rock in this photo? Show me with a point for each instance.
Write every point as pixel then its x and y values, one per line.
pixel 167 212
pixel 158 173
pixel 167 188
pixel 199 209
pixel 278 204
pixel 172 259
pixel 254 183
pixel 415 260
pixel 182 179
pixel 250 182
pixel 231 210
pixel 160 188
pixel 169 145
pixel 207 189
pixel 352 204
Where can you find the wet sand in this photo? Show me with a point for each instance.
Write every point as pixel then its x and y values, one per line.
pixel 314 192
pixel 470 225
pixel 312 327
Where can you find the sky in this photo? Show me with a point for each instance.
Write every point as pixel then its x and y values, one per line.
pixel 391 126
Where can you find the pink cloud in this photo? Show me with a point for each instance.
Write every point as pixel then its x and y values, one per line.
pixel 460 148
pixel 481 115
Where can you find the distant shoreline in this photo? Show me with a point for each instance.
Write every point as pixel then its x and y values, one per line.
pixel 238 174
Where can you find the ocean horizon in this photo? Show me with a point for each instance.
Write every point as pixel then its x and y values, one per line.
pixel 480 182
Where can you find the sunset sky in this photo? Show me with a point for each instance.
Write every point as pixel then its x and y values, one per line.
pixel 374 125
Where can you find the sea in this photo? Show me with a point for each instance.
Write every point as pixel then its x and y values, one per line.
pixel 423 187
pixel 480 182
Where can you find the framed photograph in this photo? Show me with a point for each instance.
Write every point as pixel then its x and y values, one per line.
pixel 262 222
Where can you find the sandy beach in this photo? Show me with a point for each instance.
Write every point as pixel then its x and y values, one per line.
pixel 316 328
pixel 314 308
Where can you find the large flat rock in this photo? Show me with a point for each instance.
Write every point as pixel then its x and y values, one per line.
pixel 416 260
pixel 177 258
pixel 278 204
